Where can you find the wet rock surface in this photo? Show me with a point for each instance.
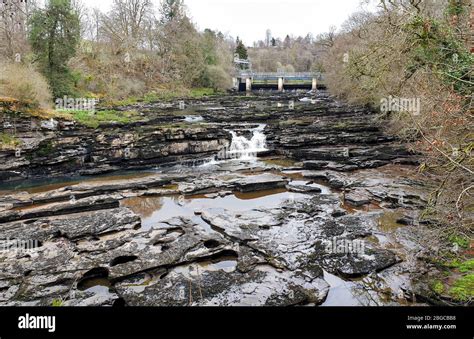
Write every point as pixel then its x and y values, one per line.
pixel 333 200
pixel 323 134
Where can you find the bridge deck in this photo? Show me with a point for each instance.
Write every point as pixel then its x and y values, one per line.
pixel 301 76
pixel 247 80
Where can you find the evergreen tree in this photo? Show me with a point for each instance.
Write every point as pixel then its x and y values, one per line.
pixel 54 36
pixel 241 50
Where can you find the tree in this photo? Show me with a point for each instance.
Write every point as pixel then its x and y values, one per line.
pixel 136 49
pixel 287 42
pixel 327 39
pixel 14 15
pixel 241 50
pixel 218 60
pixel 125 24
pixel 172 10
pixel 209 43
pixel 54 37
pixel 302 52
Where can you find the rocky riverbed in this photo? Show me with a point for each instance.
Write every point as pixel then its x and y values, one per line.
pixel 151 213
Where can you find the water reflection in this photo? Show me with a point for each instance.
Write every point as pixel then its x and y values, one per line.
pixel 33 186
pixel 350 293
pixel 154 210
pixel 143 206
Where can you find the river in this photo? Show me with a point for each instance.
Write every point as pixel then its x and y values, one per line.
pixel 233 201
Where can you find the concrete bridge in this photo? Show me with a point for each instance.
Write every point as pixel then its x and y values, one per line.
pixel 248 80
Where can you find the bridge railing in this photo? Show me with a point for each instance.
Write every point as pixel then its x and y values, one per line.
pixel 247 74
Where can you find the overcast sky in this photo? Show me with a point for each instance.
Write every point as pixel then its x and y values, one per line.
pixel 249 19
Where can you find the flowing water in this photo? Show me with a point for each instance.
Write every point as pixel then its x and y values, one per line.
pixel 243 148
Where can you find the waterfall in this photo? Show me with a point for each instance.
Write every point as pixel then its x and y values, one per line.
pixel 241 148
pixel 245 149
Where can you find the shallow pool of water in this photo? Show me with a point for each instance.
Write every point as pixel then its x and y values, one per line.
pixel 311 184
pixel 33 186
pixel 388 221
pixel 350 293
pixel 153 210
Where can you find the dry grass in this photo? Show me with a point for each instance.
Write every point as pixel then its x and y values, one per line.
pixel 24 83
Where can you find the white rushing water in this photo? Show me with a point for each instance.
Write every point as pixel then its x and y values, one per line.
pixel 193 119
pixel 247 149
pixel 241 148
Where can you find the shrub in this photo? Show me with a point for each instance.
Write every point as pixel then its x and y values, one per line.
pixel 218 78
pixel 25 84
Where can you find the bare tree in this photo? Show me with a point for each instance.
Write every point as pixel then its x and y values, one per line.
pixel 14 16
pixel 123 25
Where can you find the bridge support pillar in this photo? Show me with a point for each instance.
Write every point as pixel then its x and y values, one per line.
pixel 248 84
pixel 314 86
pixel 235 83
pixel 280 84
